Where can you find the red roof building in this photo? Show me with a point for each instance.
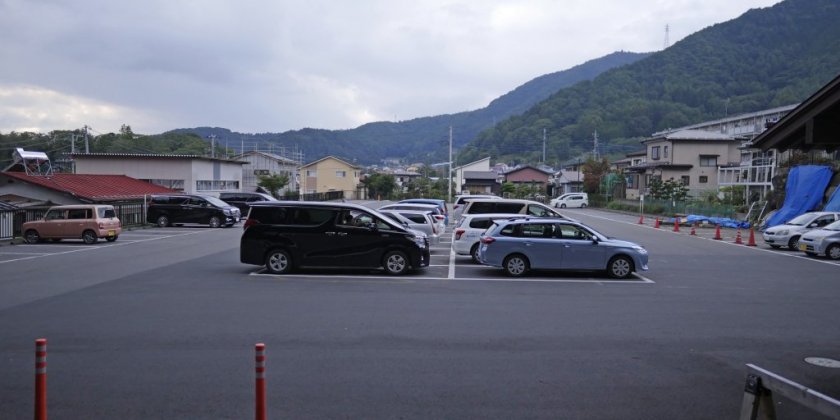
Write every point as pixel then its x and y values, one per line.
pixel 62 188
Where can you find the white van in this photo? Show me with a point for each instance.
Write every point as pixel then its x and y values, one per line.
pixel 579 199
pixel 511 206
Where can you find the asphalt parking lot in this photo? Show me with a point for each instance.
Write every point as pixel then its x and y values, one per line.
pixel 162 323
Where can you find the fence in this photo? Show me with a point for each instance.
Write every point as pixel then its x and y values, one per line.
pixel 131 214
pixel 762 385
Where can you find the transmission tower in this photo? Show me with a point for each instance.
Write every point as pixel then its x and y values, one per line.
pixel 595 145
pixel 667 32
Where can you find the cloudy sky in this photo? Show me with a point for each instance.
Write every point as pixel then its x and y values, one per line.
pixel 271 66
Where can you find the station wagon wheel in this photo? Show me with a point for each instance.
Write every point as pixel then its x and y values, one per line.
pixel 32 236
pixel 620 267
pixel 215 222
pixel 89 237
pixel 278 261
pixel 395 263
pixel 833 252
pixel 516 265
pixel 474 253
pixel 792 242
pixel 162 221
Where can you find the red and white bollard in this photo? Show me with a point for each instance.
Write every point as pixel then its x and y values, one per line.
pixel 260 401
pixel 41 379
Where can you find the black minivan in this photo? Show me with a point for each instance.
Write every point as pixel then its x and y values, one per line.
pixel 285 236
pixel 165 210
pixel 243 200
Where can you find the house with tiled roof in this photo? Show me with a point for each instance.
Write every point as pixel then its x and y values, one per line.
pixel 259 163
pixel 190 174
pixel 330 174
pixel 61 188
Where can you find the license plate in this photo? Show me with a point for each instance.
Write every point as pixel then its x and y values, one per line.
pixel 803 247
pixel 111 233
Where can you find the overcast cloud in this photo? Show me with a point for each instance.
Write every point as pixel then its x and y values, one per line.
pixel 272 66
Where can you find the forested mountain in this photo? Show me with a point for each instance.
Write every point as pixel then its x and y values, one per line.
pixel 766 58
pixel 424 138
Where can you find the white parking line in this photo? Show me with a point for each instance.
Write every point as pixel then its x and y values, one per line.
pixel 81 248
pixel 405 279
pixel 754 248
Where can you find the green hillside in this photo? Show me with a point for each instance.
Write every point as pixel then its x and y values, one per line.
pixel 424 138
pixel 766 58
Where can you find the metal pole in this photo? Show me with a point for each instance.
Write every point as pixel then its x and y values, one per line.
pixel 259 408
pixel 449 182
pixel 41 379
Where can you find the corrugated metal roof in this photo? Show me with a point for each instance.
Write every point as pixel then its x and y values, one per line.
pixel 150 156
pixel 7 206
pixel 94 187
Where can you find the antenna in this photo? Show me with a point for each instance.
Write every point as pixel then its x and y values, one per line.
pixel 667 32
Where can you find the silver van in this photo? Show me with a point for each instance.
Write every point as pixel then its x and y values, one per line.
pixel 511 206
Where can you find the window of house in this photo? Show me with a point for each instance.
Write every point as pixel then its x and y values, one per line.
pixel 685 180
pixel 204 185
pixel 311 172
pixel 710 161
pixel 340 174
pixel 665 152
pixel 704 179
pixel 654 152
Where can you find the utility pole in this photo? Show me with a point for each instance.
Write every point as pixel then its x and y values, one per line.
pixel 543 159
pixel 449 182
pixel 212 145
pixel 87 148
pixel 595 145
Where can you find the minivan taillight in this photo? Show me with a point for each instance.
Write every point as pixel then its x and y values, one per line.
pixel 250 222
pixel 459 232
pixel 487 239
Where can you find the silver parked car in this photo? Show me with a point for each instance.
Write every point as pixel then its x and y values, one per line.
pixel 788 234
pixel 418 221
pixel 825 241
pixel 521 245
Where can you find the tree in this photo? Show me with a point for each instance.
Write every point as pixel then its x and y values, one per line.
pixel 273 183
pixel 593 172
pixel 380 185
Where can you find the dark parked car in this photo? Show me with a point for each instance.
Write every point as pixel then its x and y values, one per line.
pixel 243 200
pixel 165 210
pixel 285 236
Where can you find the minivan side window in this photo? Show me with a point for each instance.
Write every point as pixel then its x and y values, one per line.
pixel 79 214
pixel 55 215
pixel 311 217
pixel 506 207
pixel 106 213
pixel 269 215
pixel 479 207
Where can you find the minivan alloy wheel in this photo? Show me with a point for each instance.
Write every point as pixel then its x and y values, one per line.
pixel 163 221
pixel 278 262
pixel 89 237
pixel 32 236
pixel 395 262
pixel 215 222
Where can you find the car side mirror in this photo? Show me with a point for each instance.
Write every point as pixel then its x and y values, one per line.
pixel 813 225
pixel 371 226
pixel 594 239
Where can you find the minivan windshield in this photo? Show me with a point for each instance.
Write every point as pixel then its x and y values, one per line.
pixel 216 202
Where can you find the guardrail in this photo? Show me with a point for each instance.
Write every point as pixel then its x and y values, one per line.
pixel 762 384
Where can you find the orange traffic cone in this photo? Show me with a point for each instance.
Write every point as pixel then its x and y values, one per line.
pixel 717 233
pixel 693 231
pixel 641 219
pixel 656 224
pixel 676 224
pixel 751 242
pixel 738 237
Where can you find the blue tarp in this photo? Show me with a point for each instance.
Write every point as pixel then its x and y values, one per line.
pixel 834 201
pixel 722 221
pixel 804 190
